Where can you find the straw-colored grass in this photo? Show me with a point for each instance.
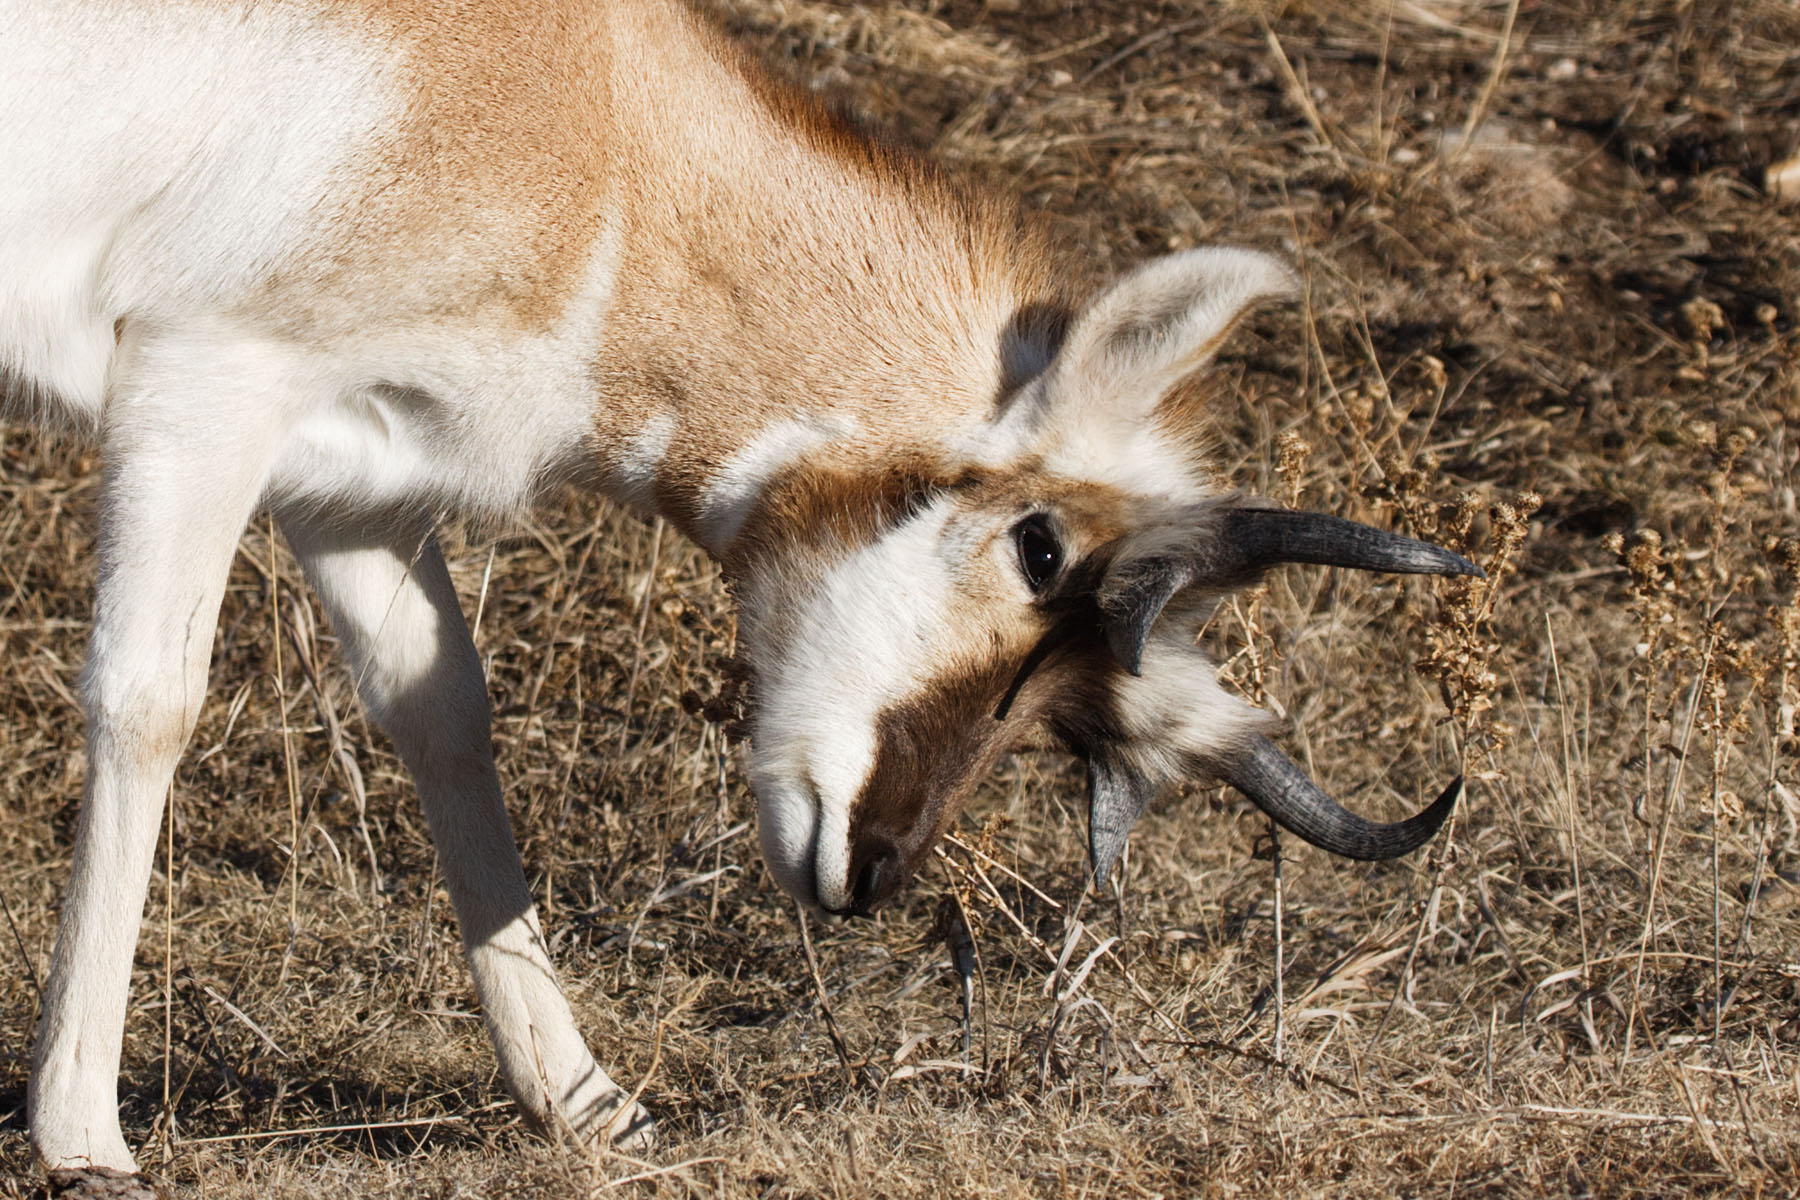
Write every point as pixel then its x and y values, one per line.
pixel 1550 318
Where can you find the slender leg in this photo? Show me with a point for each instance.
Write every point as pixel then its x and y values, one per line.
pixel 390 599
pixel 185 466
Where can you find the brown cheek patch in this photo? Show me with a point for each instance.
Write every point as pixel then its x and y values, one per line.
pixel 934 750
pixel 931 751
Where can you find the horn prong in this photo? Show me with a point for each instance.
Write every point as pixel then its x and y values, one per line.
pixel 1117 796
pixel 1132 602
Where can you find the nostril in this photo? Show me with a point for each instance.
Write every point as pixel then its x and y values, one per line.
pixel 876 880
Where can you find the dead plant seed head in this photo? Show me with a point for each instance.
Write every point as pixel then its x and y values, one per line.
pixel 1463 645
pixel 1291 454
pixel 1785 617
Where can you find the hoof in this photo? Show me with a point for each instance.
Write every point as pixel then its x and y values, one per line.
pixel 102 1183
pixel 631 1131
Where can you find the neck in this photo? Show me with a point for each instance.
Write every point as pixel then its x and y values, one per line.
pixel 791 297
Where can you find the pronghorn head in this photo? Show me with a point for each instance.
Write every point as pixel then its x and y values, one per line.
pixel 1049 573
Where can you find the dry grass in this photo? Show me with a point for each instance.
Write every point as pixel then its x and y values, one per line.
pixel 1537 264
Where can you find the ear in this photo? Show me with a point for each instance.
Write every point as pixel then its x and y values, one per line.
pixel 1155 326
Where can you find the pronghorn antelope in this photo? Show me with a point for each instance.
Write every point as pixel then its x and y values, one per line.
pixel 364 261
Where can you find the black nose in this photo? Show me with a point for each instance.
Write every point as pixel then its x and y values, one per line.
pixel 878 876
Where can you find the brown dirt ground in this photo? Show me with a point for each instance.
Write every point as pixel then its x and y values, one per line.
pixel 1544 262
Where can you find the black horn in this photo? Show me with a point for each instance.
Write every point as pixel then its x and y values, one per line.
pixel 1116 798
pixel 1265 537
pixel 1280 788
pixel 1233 545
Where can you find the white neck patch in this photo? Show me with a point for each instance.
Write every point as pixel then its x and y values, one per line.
pixel 732 495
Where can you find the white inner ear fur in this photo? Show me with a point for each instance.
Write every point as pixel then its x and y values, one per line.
pixel 1129 349
pixel 1141 336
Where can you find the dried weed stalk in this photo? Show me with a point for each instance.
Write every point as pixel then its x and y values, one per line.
pixel 1711 672
pixel 1463 644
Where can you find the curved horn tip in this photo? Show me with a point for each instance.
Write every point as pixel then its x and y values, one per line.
pixel 1131 603
pixel 1424 825
pixel 1265 537
pixel 1419 828
pixel 1116 798
pixel 1102 870
pixel 1271 780
pixel 1442 807
pixel 1419 557
pixel 1105 848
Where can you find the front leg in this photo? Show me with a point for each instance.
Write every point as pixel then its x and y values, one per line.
pixel 391 602
pixel 185 465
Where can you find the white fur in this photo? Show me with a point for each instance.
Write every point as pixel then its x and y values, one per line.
pixel 159 163
pixel 1176 709
pixel 181 481
pixel 452 416
pixel 1133 344
pixel 876 629
pixel 176 193
pixel 869 634
pixel 733 491
pixel 391 602
pixel 633 479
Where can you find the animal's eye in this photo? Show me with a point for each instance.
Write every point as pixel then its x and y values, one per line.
pixel 1040 554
